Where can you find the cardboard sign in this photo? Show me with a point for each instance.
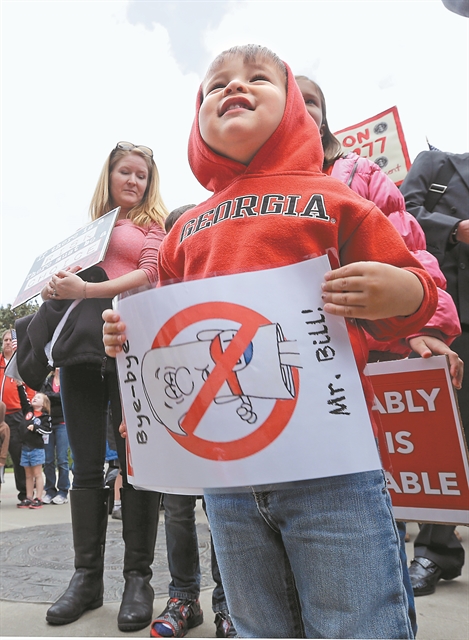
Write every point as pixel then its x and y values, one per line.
pixel 380 139
pixel 226 385
pixel 85 248
pixel 429 477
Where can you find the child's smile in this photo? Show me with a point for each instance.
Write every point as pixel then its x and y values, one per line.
pixel 232 103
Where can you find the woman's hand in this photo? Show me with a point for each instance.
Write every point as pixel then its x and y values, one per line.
pixel 60 287
pixel 427 346
pixel 65 285
pixel 371 291
pixel 113 333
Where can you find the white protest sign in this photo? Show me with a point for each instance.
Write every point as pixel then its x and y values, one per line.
pixel 241 380
pixel 85 248
pixel 381 139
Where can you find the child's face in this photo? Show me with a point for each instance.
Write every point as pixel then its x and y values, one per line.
pixel 312 100
pixel 243 105
pixel 37 402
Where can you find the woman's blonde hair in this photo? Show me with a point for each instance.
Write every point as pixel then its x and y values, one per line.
pixel 151 208
pixel 330 144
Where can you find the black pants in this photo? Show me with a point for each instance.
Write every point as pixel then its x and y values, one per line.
pixel 86 397
pixel 17 425
pixel 437 542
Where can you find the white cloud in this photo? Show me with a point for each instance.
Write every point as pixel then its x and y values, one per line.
pixel 79 76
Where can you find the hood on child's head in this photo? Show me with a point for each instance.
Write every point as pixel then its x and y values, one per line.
pixel 3 409
pixel 294 146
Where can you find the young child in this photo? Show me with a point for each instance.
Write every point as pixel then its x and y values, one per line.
pixel 4 441
pixel 38 428
pixel 320 559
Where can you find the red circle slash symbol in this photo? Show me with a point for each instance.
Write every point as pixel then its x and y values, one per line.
pixel 276 421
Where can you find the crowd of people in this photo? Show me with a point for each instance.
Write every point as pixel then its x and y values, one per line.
pixel 297 561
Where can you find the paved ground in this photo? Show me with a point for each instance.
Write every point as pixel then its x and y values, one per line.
pixel 36 563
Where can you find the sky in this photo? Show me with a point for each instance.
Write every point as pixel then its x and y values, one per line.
pixel 78 76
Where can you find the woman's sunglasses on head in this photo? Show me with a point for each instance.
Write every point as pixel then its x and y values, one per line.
pixel 128 146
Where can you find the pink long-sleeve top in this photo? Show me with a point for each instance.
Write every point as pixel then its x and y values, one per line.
pixel 369 181
pixel 132 247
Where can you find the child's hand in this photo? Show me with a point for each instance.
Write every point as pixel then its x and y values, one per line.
pixel 113 333
pixel 427 346
pixel 123 429
pixel 371 291
pixel 30 427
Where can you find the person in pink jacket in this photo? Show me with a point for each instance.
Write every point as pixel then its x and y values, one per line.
pixel 368 180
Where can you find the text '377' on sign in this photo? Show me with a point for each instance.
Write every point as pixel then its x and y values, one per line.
pixel 421 429
pixel 225 385
pixel 380 139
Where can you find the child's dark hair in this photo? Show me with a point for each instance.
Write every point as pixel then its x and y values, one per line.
pixel 250 53
pixel 330 144
pixel 175 214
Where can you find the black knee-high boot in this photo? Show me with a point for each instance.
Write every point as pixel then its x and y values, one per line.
pixel 140 513
pixel 89 509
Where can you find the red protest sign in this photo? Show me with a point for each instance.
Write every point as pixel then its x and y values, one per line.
pixel 277 420
pixel 421 429
pixel 381 139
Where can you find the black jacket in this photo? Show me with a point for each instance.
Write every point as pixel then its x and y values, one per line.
pixel 79 342
pixel 438 225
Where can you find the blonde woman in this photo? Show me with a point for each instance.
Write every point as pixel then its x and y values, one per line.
pixel 89 387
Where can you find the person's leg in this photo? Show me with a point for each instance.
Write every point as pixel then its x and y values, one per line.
pixel 343 546
pixel 29 474
pixel 437 554
pixel 257 576
pixel 117 507
pixel 438 543
pixel 39 480
pixel 183 610
pixel 182 546
pixel 84 401
pixel 61 445
pixel 49 467
pixel 89 511
pixel 401 528
pixel 223 622
pixel 334 539
pixel 140 514
pixel 16 423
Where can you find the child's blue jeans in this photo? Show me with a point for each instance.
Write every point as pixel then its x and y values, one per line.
pixel 319 560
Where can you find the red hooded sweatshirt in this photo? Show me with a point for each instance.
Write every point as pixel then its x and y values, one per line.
pixel 281 209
